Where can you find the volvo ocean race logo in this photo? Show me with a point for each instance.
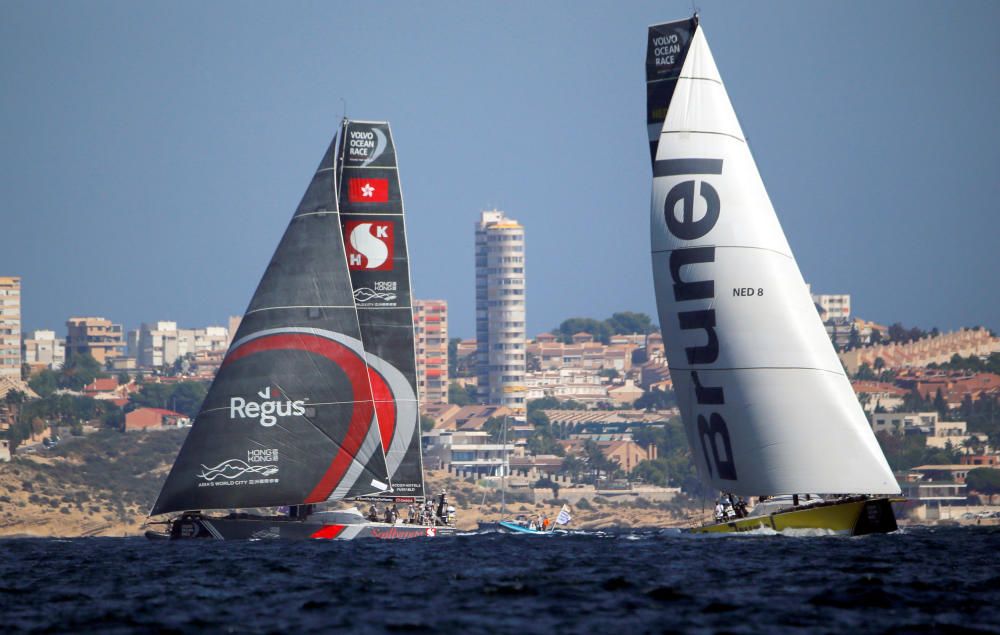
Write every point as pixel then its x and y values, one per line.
pixel 267 410
pixel 365 146
pixel 369 245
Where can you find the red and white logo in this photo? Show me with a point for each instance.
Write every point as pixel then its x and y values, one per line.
pixel 431 532
pixel 368 190
pixel 369 245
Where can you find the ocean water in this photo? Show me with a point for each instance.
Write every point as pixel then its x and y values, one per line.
pixel 918 580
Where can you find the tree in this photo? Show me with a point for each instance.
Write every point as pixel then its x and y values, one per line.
pixel 865 373
pixel 984 480
pixel 879 363
pixel 656 399
pixel 627 322
pixel 45 383
pixel 426 423
pixel 573 466
pixel 940 404
pixel 600 330
pixel 876 337
pixel 79 371
pixel 453 356
pixel 461 395
pixel 494 426
pixel 152 396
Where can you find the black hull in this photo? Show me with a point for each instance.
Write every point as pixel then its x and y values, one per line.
pixel 245 527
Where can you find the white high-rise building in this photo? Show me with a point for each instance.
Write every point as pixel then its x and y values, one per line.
pixel 500 311
pixel 10 326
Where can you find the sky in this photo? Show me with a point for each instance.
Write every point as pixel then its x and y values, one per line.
pixel 151 154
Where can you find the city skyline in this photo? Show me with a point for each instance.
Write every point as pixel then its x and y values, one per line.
pixel 146 183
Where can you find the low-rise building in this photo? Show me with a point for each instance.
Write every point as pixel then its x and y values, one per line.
pixel 94 336
pixel 42 349
pixel 920 353
pixel 878 395
pixel 155 419
pixel 627 454
pixel 900 423
pixel 469 451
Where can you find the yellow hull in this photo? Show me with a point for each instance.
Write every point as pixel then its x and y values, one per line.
pixel 850 517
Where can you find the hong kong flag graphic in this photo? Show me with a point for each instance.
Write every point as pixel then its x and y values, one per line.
pixel 368 190
pixel 369 245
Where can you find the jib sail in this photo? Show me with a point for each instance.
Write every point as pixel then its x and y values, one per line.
pixel 765 402
pixel 371 205
pixel 289 418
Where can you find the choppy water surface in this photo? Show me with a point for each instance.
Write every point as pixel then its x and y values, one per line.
pixel 918 580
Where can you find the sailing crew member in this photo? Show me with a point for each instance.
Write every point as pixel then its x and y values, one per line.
pixel 373 514
pixel 741 508
pixel 720 512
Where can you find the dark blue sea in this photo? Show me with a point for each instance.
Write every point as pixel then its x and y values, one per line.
pixel 919 580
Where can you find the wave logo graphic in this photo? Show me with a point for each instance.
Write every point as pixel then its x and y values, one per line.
pixel 380 144
pixel 367 294
pixel 235 468
pixel 369 245
pixel 366 146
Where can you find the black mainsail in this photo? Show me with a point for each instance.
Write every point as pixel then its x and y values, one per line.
pixel 371 212
pixel 289 418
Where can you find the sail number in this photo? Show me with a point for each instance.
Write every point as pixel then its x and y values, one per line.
pixel 743 292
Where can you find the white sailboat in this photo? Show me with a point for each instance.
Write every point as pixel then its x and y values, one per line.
pixel 766 404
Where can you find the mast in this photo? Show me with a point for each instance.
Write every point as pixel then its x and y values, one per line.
pixel 289 418
pixel 504 466
pixel 766 404
pixel 372 219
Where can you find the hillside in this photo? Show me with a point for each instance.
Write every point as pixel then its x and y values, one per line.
pixel 99 485
pixel 105 483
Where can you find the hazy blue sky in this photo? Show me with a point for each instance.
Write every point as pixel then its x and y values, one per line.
pixel 152 153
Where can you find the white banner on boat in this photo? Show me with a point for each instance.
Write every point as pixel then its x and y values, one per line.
pixel 563 518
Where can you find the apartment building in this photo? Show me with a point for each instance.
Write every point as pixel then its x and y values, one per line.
pixel 500 311
pixel 10 326
pixel 430 326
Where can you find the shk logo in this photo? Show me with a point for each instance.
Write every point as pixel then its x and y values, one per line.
pixel 267 410
pixel 369 245
pixel 368 190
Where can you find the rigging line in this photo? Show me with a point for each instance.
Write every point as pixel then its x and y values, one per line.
pixel 774 251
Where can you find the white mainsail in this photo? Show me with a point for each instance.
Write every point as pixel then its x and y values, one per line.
pixel 765 401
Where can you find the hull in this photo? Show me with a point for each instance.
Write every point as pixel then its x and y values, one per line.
pixel 242 527
pixel 509 527
pixel 851 517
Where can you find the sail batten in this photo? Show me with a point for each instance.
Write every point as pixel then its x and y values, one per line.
pixel 766 404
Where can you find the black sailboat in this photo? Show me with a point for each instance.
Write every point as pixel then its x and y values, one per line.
pixel 291 420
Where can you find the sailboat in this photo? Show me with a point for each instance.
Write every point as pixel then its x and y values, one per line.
pixel 315 401
pixel 766 405
pixel 520 524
